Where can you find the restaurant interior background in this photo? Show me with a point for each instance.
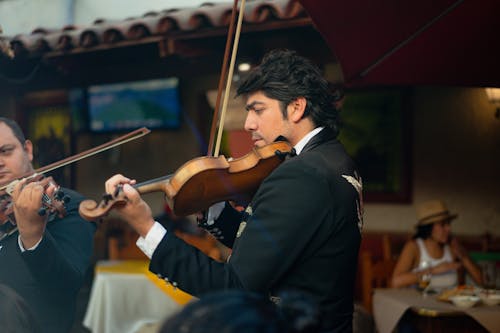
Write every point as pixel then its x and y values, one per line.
pixel 414 142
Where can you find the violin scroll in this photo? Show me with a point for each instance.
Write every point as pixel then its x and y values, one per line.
pixel 90 210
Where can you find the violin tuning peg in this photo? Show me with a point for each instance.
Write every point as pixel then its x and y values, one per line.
pixel 107 198
pixel 42 211
pixel 118 189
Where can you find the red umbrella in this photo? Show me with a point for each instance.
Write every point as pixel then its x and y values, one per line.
pixel 395 42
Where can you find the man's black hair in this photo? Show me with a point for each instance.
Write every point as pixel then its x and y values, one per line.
pixel 285 76
pixel 18 132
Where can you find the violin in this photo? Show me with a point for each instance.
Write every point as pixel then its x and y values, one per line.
pixel 198 184
pixel 203 181
pixel 52 205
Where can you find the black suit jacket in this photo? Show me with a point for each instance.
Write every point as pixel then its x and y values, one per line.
pixel 301 231
pixel 49 277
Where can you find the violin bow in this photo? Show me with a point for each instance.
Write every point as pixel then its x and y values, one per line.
pixel 211 151
pixel 207 242
pixel 87 153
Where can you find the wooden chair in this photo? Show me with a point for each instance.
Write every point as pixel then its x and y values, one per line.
pixel 490 243
pixel 124 248
pixel 120 241
pixel 386 247
pixel 375 274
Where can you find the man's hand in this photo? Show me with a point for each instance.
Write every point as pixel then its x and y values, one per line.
pixel 135 212
pixel 27 200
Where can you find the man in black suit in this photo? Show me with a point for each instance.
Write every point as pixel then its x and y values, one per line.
pixel 302 229
pixel 44 257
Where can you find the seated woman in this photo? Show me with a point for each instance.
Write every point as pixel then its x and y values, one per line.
pixel 433 252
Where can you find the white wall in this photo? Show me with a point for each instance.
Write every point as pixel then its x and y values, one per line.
pixel 456 158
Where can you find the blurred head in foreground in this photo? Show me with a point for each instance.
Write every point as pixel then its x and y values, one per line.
pixel 246 312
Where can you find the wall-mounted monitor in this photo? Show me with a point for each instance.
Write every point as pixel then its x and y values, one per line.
pixel 130 105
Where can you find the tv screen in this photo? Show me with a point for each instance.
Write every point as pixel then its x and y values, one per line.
pixel 126 106
pixel 78 107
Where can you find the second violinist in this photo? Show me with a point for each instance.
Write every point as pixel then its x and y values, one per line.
pixel 302 229
pixel 44 262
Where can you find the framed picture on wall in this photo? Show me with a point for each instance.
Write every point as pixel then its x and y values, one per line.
pixel 49 132
pixel 376 133
pixel 47 119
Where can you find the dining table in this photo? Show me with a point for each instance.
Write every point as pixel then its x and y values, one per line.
pixel 391 306
pixel 126 296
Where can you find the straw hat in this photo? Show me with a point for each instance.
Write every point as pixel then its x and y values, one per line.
pixel 433 211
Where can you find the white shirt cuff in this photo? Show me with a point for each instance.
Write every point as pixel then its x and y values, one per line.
pixel 149 243
pixel 214 212
pixel 21 246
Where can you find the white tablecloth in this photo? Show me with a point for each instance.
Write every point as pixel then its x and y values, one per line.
pixel 389 305
pixel 123 302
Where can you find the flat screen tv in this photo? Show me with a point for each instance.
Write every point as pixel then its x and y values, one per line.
pixel 130 105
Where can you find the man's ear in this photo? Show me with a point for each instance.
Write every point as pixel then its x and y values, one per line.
pixel 296 109
pixel 28 148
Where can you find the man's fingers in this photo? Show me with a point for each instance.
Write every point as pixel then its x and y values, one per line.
pixel 17 188
pixel 112 183
pixel 35 191
pixel 32 191
pixel 131 193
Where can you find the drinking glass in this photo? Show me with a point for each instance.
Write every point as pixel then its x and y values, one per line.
pixel 424 279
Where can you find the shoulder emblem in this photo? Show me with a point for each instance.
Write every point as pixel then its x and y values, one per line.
pixel 248 212
pixel 357 183
pixel 241 229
